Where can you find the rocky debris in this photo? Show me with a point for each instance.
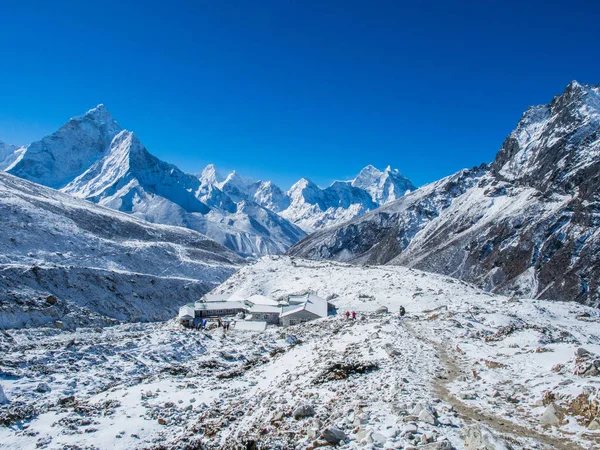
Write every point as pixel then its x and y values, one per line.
pixel 303 411
pixel 161 421
pixel 342 371
pixel 333 435
pixel 440 445
pixel 479 437
pixel 594 425
pixel 586 406
pixel 552 415
pixel 51 300
pixel 586 363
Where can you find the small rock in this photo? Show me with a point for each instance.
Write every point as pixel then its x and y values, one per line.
pixel 594 425
pixel 302 411
pixel 382 310
pixel 552 415
pixel 162 421
pixel 333 435
pixel 59 324
pixel 42 387
pixel 481 438
pixel 51 300
pixel 427 417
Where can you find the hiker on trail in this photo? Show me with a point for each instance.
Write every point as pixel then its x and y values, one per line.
pixel 353 315
pixel 219 323
pixel 199 326
pixel 347 315
pixel 402 311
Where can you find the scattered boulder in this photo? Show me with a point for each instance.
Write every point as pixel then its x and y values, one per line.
pixel 478 437
pixel 553 415
pixel 162 421
pixel 341 371
pixel 427 417
pixel 303 411
pixel 594 425
pixel 382 310
pixel 42 387
pixel 51 300
pixel 59 324
pixel 582 353
pixel 333 435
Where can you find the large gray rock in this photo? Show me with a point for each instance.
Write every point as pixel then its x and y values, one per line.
pixel 552 415
pixel 303 411
pixel 333 435
pixel 478 437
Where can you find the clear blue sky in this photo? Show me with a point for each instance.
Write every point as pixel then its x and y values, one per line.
pixel 285 89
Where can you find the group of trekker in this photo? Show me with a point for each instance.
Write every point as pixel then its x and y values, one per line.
pixel 220 323
pixel 350 314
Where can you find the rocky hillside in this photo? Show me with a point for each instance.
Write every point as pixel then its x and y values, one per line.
pixel 69 260
pixel 463 369
pixel 528 224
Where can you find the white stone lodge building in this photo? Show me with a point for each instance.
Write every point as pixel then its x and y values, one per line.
pixel 291 311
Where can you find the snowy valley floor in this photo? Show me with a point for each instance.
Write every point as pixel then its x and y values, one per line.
pixel 463 369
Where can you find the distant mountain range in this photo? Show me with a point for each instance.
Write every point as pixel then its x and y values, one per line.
pixel 93 158
pixel 528 224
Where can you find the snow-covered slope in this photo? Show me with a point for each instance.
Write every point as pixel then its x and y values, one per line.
pixel 9 155
pixel 310 206
pixel 463 370
pixel 101 265
pixel 91 157
pixel 526 225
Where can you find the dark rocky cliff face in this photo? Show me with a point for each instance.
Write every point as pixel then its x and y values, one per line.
pixel 526 225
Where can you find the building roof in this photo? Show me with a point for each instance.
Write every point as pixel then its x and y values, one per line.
pixel 265 309
pixel 262 300
pixel 213 306
pixel 312 304
pixel 209 298
pixel 186 312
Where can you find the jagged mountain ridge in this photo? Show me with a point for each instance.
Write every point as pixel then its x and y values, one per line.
pixel 92 157
pixel 310 206
pixel 528 224
pixel 101 265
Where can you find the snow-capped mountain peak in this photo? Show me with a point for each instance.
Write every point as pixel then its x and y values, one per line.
pixel 60 157
pixel 385 186
pixel 556 146
pixel 210 176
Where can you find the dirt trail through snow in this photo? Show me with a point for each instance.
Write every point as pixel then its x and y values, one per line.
pixel 469 414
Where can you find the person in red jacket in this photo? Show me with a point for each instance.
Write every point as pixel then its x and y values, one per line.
pixel 347 315
pixel 353 315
